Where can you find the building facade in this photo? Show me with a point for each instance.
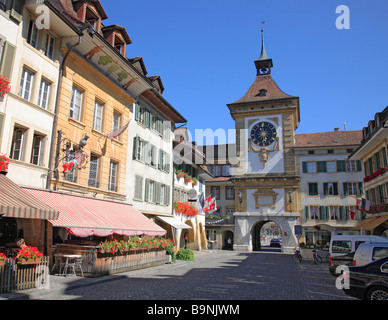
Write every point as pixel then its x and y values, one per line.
pixel 373 154
pixel 329 184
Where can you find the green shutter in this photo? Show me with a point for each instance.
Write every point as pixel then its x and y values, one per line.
pixel 321 166
pixel 341 166
pixel 361 188
pixel 147 189
pixel 304 165
pixel 325 189
pixel 168 163
pixel 147 118
pixel 322 213
pixel 160 164
pixel 157 192
pixel 137 112
pixel 335 187
pixel 359 165
pixel 345 185
pixel 135 145
pixel 167 195
pixel 306 212
pixel 7 60
pixel 17 10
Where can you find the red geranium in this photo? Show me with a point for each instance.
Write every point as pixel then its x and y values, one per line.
pixel 2 257
pixel 28 253
pixel 5 87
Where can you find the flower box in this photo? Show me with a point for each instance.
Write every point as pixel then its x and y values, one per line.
pixel 28 261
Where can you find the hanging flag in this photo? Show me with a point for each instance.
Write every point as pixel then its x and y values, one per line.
pixel 352 214
pixel 363 205
pixel 116 133
pixel 201 200
pixel 210 205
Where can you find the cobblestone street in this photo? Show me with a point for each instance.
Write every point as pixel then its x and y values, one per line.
pixel 214 275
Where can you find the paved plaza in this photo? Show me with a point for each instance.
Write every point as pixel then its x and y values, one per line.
pixel 214 275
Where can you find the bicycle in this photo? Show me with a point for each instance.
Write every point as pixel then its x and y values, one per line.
pixel 316 257
pixel 297 256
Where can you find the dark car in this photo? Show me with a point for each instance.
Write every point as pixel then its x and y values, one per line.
pixel 345 260
pixel 368 282
pixel 275 243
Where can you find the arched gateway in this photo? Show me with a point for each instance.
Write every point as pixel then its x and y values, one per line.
pixel 265 176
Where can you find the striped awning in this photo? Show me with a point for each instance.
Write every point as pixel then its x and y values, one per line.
pixel 371 223
pixel 17 203
pixel 84 216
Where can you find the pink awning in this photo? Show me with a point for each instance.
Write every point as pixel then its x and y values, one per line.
pixel 84 217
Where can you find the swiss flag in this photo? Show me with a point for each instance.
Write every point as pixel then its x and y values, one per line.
pixel 210 205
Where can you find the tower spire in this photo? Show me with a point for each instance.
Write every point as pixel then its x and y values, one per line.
pixel 263 64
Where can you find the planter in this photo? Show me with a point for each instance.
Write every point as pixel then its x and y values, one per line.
pixel 28 261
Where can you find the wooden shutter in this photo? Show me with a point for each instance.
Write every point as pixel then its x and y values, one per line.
pixel 304 165
pixel 7 59
pixel 306 212
pixel 321 166
pixel 341 166
pixel 147 118
pixel 137 112
pixel 345 185
pixel 17 10
pixel 325 189
pixel 335 187
pixel 157 192
pixel 147 189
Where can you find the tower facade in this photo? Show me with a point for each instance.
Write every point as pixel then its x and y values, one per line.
pixel 265 178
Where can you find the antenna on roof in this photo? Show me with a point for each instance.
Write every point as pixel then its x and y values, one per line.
pixel 344 126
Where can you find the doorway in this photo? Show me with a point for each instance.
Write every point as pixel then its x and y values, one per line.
pixel 227 240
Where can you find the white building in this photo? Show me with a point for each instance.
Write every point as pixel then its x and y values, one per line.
pixel 31 58
pixel 329 183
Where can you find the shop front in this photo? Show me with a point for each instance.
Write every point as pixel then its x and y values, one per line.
pixel 85 223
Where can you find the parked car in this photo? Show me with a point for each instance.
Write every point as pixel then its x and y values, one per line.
pixel 275 243
pixel 369 282
pixel 368 252
pixel 342 249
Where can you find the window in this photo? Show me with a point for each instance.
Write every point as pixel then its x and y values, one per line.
pixel 226 170
pixel 215 191
pixel 313 188
pixel 229 192
pixel 138 148
pixel 314 212
pixel 44 91
pixel 330 166
pixel 26 84
pixel 342 246
pixel 217 171
pixel 379 253
pixel 97 118
pixel 93 171
pixel 350 188
pixel 164 161
pixel 37 149
pixel 76 102
pixel 49 51
pixel 112 184
pixel 334 212
pixel 309 167
pixel 330 189
pixel 262 93
pixel 138 188
pixel 17 149
pixel 116 121
pixel 32 37
pixel 149 191
pixel 150 154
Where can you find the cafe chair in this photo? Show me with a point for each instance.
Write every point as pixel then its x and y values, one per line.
pixel 58 262
pixel 73 264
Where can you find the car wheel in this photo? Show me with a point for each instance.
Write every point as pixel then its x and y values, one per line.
pixel 377 293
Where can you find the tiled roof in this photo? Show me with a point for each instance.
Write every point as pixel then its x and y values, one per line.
pixel 219 179
pixel 328 139
pixel 263 82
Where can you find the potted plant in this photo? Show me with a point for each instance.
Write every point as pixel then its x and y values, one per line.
pixel 5 87
pixel 180 174
pixel 194 181
pixel 2 259
pixel 28 255
pixel 188 178
pixel 4 162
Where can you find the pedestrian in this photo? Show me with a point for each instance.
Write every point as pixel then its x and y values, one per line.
pixel 185 240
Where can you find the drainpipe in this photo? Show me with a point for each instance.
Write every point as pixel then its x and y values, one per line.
pixel 61 69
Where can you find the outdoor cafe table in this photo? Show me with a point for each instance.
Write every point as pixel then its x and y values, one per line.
pixel 69 259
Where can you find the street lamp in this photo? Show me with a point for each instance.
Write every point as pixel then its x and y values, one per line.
pixel 239 194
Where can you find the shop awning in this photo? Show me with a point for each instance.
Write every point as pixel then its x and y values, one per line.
pixel 17 203
pixel 371 223
pixel 84 217
pixel 174 222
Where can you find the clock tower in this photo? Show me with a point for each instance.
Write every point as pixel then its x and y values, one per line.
pixel 265 178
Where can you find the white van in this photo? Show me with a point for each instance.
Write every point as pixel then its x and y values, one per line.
pixel 368 252
pixel 345 244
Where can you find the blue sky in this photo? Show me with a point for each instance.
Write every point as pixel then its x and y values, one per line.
pixel 205 52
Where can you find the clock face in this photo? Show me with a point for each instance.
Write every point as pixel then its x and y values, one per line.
pixel 263 134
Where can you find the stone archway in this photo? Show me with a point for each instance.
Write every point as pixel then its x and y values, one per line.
pixel 190 243
pixel 256 233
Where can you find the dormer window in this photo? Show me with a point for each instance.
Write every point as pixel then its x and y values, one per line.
pixel 119 45
pixel 92 19
pixel 262 93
